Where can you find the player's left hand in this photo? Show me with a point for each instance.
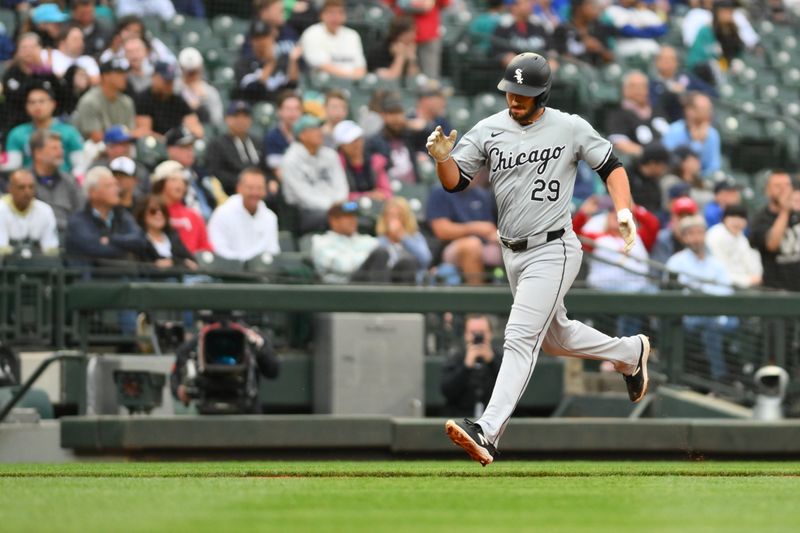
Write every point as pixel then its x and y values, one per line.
pixel 627 228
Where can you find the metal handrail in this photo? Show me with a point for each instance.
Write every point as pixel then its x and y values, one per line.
pixel 58 356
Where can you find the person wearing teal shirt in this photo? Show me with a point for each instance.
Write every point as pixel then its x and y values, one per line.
pixel 40 105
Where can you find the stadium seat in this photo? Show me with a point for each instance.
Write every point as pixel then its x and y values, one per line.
pixel 287 242
pixel 226 25
pixel 214 263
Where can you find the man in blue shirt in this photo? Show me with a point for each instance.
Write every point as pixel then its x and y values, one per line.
pixel 466 222
pixel 696 132
pixel 697 270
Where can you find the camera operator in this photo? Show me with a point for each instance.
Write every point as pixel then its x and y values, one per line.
pixel 469 374
pixel 225 391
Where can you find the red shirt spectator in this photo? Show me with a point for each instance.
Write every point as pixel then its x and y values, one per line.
pixel 169 181
pixel 427 21
pixel 647 224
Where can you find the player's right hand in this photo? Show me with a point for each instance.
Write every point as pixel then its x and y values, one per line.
pixel 440 146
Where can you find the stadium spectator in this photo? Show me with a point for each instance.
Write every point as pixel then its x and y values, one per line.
pixel 728 244
pixel 140 74
pixel 701 16
pixel 96 33
pixel 204 190
pixel 716 43
pixel 47 21
pixel 635 123
pixel 469 373
pixel 668 85
pixel 427 16
pixel 776 233
pixel 103 230
pixel 396 57
pixel 313 177
pixel 163 246
pixel 645 177
pixel 243 227
pixel 118 142
pixel 519 33
pixel 590 221
pixel 170 182
pixel 342 254
pixel 685 177
pixel 203 98
pixel 611 269
pixel 329 46
pixel 24 220
pixel 365 176
pixel 668 241
pixel 272 12
pixel 192 8
pixel 40 104
pixel 697 132
pixel 69 55
pixel 638 26
pixel 124 170
pixel 697 270
pixel 430 112
pixel 54 186
pixel 399 234
pixel 280 136
pixel 162 9
pixel 337 107
pixel 265 73
pixel 395 141
pixel 228 154
pixel 160 109
pixel 25 71
pixel 132 26
pixel 584 37
pixel 726 193
pixel 107 104
pixel 466 223
pixel 484 23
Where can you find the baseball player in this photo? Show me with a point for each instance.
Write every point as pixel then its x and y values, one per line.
pixel 532 152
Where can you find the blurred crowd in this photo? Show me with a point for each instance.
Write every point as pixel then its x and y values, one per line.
pixel 121 143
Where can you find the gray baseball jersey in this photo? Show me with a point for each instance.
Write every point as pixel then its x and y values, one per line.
pixel 531 168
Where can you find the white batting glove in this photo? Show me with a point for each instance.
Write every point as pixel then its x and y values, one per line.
pixel 627 228
pixel 440 146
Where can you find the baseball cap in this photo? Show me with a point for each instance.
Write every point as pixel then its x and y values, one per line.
pixel 726 184
pixel 392 103
pixel 683 206
pixel 654 153
pixel 123 165
pixel 346 132
pixel 48 13
pixel 433 88
pixel 678 190
pixel 117 134
pixel 168 169
pixel 179 136
pixel 190 59
pixel 305 122
pixel 117 64
pixel 343 208
pixel 691 222
pixel 165 70
pixel 238 106
pixel 259 28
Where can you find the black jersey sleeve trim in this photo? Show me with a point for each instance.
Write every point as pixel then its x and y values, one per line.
pixel 610 153
pixel 463 181
pixel 608 167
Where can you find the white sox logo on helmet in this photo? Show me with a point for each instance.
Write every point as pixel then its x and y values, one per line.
pixel 518 75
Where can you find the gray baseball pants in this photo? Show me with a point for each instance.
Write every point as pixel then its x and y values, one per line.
pixel 539 278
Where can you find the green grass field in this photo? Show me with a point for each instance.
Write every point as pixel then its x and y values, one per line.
pixel 402 496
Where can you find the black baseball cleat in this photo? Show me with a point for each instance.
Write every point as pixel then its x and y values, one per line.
pixel 469 436
pixel 637 382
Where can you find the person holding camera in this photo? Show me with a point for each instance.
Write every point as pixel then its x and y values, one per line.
pixel 469 374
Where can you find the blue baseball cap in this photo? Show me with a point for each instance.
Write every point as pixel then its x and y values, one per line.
pixel 238 106
pixel 168 71
pixel 118 134
pixel 343 208
pixel 46 13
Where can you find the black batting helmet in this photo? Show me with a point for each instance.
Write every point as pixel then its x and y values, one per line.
pixel 528 74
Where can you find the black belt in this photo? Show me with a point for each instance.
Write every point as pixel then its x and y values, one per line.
pixel 521 245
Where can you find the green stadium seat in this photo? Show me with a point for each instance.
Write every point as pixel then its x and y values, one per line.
pixel 9 19
pixel 215 263
pixel 287 242
pixel 226 25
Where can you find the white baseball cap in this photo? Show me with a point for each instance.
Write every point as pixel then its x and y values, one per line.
pixel 190 59
pixel 346 132
pixel 168 169
pixel 123 165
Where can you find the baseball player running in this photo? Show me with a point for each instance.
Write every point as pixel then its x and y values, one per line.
pixel 532 152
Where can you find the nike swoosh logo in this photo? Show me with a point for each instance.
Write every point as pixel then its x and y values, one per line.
pixel 495 134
